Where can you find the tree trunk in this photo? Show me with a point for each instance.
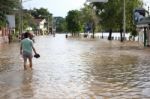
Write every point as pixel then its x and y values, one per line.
pixel 110 33
pixel 121 38
pixel 144 36
pixel 93 29
pixel 93 33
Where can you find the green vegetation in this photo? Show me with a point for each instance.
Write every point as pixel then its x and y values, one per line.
pixel 41 13
pixel 111 14
pixel 3 20
pixel 73 22
pixel 104 16
pixel 7 7
pixel 88 16
pixel 60 24
pixel 101 16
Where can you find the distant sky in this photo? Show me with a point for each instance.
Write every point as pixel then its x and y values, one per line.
pixel 147 3
pixel 59 7
pixel 56 7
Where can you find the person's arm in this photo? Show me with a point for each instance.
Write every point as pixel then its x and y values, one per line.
pixel 33 48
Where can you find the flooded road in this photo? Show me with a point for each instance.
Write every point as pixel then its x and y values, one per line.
pixel 76 68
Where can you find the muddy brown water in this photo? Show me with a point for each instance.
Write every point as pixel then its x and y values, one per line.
pixel 76 68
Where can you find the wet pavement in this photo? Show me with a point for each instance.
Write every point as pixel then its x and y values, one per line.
pixel 76 68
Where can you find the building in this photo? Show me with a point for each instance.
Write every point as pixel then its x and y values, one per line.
pixel 6 32
pixel 40 26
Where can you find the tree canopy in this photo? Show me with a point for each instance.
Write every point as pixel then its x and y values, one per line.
pixel 73 21
pixel 89 18
pixel 60 24
pixel 111 13
pixel 40 13
pixel 7 7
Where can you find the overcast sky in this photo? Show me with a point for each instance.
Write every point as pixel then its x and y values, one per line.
pixel 59 7
pixel 56 7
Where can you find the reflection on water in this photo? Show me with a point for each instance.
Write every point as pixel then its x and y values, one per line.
pixel 19 85
pixel 76 68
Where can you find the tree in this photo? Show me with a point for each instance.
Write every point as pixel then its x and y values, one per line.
pixel 28 20
pixel 7 7
pixel 73 21
pixel 30 15
pixel 111 14
pixel 88 16
pixel 3 20
pixel 60 23
pixel 134 32
pixel 42 13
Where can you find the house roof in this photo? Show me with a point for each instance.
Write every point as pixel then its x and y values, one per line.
pixel 37 21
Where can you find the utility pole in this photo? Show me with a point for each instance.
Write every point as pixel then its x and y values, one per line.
pixel 48 24
pixel 124 19
pixel 52 24
pixel 20 18
pixel 148 10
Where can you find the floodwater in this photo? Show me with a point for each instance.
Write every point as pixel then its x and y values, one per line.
pixel 76 68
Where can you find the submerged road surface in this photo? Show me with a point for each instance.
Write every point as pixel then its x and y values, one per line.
pixel 76 68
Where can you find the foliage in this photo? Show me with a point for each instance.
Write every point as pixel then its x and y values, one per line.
pixel 28 20
pixel 40 13
pixel 3 20
pixel 60 24
pixel 134 32
pixel 88 16
pixel 111 13
pixel 7 7
pixel 73 21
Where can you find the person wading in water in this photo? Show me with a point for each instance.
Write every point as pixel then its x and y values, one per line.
pixel 26 48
